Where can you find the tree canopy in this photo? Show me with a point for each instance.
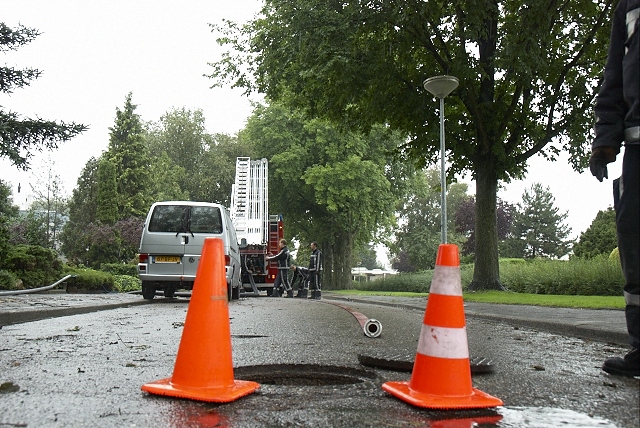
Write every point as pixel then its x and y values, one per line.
pixel 600 237
pixel 418 233
pixel 331 186
pixel 528 73
pixel 538 226
pixel 20 136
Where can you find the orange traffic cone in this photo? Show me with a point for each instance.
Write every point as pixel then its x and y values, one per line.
pixel 204 366
pixel 441 376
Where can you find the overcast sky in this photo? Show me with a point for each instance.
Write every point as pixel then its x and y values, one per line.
pixel 93 54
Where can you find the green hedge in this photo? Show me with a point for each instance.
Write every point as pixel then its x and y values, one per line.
pixel 126 283
pixel 120 269
pixel 89 280
pixel 36 266
pixel 599 276
pixel 8 280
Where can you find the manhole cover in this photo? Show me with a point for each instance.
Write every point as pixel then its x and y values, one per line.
pixel 303 374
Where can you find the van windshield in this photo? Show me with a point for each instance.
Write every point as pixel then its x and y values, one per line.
pixel 186 218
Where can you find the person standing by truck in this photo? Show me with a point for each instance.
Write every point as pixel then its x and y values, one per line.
pixel 283 270
pixel 314 271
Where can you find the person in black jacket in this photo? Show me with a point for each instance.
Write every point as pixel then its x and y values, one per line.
pixel 315 266
pixel 301 276
pixel 283 270
pixel 617 112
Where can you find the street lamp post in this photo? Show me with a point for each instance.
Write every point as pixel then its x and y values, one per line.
pixel 440 87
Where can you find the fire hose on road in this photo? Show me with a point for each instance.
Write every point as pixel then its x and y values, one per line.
pixel 35 290
pixel 370 326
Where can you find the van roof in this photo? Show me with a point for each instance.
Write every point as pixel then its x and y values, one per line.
pixel 194 203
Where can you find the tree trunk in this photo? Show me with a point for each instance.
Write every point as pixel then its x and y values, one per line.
pixel 486 273
pixel 326 280
pixel 337 263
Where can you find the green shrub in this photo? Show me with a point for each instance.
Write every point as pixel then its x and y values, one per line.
pixel 89 280
pixel 36 266
pixel 126 283
pixel 418 282
pixel 8 281
pixel 599 276
pixel 120 269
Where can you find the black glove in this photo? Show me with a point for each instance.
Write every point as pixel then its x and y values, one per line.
pixel 600 157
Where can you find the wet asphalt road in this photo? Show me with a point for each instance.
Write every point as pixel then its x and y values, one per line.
pixel 87 369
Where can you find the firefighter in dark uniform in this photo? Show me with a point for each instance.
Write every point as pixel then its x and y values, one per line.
pixel 300 275
pixel 283 270
pixel 617 112
pixel 314 271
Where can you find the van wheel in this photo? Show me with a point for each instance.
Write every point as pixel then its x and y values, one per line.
pixel 148 290
pixel 235 293
pixel 229 292
pixel 169 291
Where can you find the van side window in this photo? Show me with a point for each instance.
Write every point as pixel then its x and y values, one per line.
pixel 206 220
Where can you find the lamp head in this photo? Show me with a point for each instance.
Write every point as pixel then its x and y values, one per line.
pixel 441 86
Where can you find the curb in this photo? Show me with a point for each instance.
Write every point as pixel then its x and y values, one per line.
pixel 567 327
pixel 18 317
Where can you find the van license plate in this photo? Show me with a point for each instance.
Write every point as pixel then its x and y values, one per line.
pixel 167 259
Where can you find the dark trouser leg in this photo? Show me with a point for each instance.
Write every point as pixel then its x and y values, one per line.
pixel 276 286
pixel 627 206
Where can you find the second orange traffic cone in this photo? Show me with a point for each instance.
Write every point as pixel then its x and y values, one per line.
pixel 441 376
pixel 204 367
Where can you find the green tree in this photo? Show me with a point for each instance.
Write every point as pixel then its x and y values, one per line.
pixel 107 204
pixel 83 207
pixel 188 162
pixel 8 212
pixel 465 218
pixel 181 135
pixel 367 257
pixel 49 206
pixel 330 185
pixel 420 220
pixel 600 237
pixel 165 178
pixel 539 227
pixel 528 74
pixel 29 229
pixel 20 137
pixel 219 166
pixel 130 155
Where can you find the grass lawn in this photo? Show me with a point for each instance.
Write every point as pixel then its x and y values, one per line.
pixel 506 297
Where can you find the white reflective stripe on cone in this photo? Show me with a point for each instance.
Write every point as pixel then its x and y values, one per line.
pixel 446 280
pixel 443 342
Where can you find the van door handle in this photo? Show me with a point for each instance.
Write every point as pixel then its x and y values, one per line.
pixel 185 239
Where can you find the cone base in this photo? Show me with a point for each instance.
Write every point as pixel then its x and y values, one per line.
pixel 476 400
pixel 240 388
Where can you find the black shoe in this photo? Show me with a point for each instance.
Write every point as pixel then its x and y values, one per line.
pixel 627 366
pixel 275 293
pixel 318 295
pixel 289 294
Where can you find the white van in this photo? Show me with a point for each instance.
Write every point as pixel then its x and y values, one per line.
pixel 171 245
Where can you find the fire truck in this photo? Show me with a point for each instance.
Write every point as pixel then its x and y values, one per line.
pixel 258 232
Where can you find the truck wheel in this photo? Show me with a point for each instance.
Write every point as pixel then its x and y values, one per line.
pixel 148 290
